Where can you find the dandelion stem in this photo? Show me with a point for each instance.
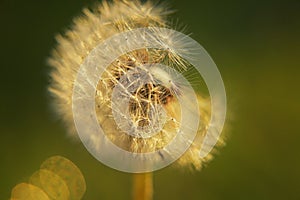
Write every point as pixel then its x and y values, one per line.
pixel 142 186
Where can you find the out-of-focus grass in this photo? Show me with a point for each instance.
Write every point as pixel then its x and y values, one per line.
pixel 256 47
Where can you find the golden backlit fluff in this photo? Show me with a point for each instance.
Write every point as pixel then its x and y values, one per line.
pixel 90 29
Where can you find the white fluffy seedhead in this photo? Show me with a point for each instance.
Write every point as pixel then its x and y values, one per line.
pixel 135 105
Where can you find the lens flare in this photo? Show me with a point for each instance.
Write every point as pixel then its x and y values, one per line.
pixel 25 191
pixel 52 184
pixel 69 173
pixel 58 178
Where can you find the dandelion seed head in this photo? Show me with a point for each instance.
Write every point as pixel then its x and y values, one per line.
pixel 137 100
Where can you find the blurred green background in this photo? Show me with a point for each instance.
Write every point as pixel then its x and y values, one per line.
pixel 255 44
